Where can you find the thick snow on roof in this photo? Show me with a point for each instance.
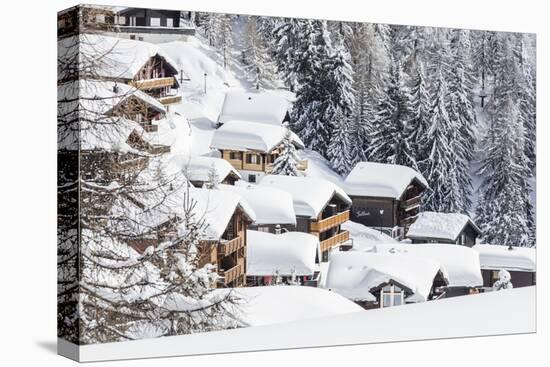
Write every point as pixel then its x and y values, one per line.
pixel 98 97
pixel 277 304
pixel 459 264
pixel 309 195
pixel 444 226
pixel 286 252
pixel 353 274
pixel 120 58
pixel 271 205
pixel 365 238
pixel 245 136
pixel 500 257
pixel 260 107
pixel 197 168
pixel 381 180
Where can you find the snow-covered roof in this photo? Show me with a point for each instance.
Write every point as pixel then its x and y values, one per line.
pixel 442 226
pixel 250 136
pixel 309 195
pixel 110 135
pixel 459 264
pixel 271 205
pixel 502 257
pixel 117 58
pixel 254 107
pixel 286 252
pixel 99 97
pixel 381 180
pixel 283 303
pixel 354 274
pixel 197 168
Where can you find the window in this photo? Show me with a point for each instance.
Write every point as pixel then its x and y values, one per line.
pixel 252 159
pixel 155 22
pixel 263 229
pixel 169 22
pixel 132 36
pixel 235 155
pixel 391 295
pixel 100 18
pixel 252 178
pixel 121 20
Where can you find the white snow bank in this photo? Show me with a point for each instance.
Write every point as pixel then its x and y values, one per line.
pixel 501 257
pixel 365 238
pixel 278 304
pixel 309 195
pixel 381 180
pixel 319 167
pixel 493 313
pixel 459 264
pixel 286 252
pixel 260 107
pixel 354 274
pixel 197 168
pixel 271 205
pixel 121 58
pixel 245 136
pixel 443 226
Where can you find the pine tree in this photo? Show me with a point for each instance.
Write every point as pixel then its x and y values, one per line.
pixel 339 150
pixel 213 177
pixel 389 137
pixel 504 209
pixel 287 161
pixel 257 57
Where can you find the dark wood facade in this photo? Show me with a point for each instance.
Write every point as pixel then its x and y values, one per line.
pixel 387 213
pixel 518 278
pixel 141 17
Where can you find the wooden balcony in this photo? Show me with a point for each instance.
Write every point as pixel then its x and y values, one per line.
pixel 232 274
pixel 227 247
pixel 411 203
pixel 407 221
pixel 329 222
pixel 160 149
pixel 169 100
pixel 155 83
pixel 334 241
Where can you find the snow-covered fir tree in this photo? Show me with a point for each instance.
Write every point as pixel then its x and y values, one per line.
pixel 286 41
pixel 256 56
pixel 389 135
pixel 213 177
pixel 287 161
pixel 505 210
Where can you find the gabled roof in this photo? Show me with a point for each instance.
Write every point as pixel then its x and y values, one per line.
pixel 250 136
pixel 459 264
pixel 254 107
pixel 440 226
pixel 271 205
pixel 286 253
pixel 99 97
pixel 116 58
pixel 381 180
pixel 197 168
pixel 309 195
pixel 496 257
pixel 354 274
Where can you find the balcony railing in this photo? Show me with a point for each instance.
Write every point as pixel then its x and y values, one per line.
pixel 155 83
pixel 334 241
pixel 160 149
pixel 329 222
pixel 411 203
pixel 227 247
pixel 170 100
pixel 235 272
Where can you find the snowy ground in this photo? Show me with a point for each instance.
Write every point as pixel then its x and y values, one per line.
pixel 474 315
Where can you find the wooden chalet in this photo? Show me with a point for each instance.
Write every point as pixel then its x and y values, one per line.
pixel 383 280
pixel 199 169
pixel 385 196
pixel 85 19
pixel 252 147
pixel 259 107
pixel 451 228
pixel 520 262
pixel 320 206
pixel 154 25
